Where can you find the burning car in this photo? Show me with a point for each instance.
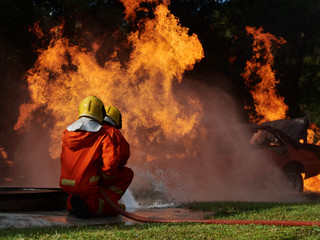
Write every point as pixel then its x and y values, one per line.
pixel 291 156
pixel 259 151
pixel 283 142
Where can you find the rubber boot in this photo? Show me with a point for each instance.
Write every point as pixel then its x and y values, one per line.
pixel 79 207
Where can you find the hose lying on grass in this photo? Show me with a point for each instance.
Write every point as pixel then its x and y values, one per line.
pixel 208 221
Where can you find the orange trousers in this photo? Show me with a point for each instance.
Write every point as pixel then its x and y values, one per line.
pixel 115 186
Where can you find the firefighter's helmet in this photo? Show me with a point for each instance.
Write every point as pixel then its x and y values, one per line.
pixel 92 107
pixel 115 115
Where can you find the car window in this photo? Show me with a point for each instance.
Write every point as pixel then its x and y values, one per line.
pixel 265 138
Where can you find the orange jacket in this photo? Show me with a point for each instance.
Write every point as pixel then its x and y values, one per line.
pixel 87 154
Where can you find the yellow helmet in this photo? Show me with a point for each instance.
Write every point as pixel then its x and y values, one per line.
pixel 115 115
pixel 92 107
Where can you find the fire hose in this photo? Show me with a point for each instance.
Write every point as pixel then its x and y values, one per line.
pixel 207 221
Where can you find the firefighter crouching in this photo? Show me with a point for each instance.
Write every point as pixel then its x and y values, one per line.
pixel 94 152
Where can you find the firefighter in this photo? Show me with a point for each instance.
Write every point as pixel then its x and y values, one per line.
pixel 94 154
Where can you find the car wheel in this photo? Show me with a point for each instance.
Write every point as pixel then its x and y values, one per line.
pixel 294 178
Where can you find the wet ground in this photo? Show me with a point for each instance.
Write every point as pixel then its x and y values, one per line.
pixel 25 208
pixel 63 218
pixel 37 207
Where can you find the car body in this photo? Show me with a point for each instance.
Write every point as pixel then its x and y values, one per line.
pixel 260 155
pixel 291 156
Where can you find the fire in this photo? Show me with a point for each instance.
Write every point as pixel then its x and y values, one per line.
pixel 269 105
pixel 131 6
pixel 313 184
pixel 313 134
pixel 260 77
pixel 6 164
pixel 142 88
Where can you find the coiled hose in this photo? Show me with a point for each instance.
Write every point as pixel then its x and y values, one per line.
pixel 208 221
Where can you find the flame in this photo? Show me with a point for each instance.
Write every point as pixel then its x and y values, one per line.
pixel 260 77
pixel 3 153
pixel 142 88
pixel 131 6
pixel 313 184
pixel 268 104
pixel 313 134
pixel 36 29
pixel 8 163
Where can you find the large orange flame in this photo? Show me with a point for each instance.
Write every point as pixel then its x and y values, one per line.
pixel 260 77
pixel 269 105
pixel 142 89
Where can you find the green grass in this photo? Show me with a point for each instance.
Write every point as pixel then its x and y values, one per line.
pixel 309 211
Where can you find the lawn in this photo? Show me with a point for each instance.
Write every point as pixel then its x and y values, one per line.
pixel 308 211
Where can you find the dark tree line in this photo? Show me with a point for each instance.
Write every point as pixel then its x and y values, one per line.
pixel 221 29
pixel 220 26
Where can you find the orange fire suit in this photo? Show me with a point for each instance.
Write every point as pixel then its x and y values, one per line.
pixel 92 158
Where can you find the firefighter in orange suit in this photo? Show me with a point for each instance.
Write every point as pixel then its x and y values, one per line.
pixel 94 153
